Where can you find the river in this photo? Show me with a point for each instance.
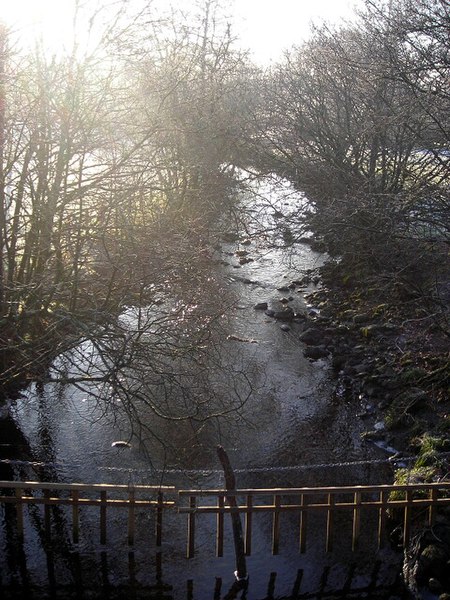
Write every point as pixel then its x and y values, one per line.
pixel 293 430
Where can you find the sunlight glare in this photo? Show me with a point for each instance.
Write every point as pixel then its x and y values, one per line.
pixel 264 27
pixel 49 21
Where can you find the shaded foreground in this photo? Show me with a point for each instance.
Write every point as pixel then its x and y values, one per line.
pixel 374 586
pixel 61 540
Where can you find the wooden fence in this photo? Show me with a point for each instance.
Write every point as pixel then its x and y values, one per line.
pixel 76 495
pixel 411 501
pixel 407 501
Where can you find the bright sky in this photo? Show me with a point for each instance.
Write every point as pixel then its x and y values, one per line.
pixel 264 26
pixel 269 26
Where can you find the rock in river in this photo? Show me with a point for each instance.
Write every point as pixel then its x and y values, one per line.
pixel 120 444
pixel 261 306
pixel 284 315
pixel 315 352
pixel 312 337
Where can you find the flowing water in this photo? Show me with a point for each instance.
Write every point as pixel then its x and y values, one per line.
pixel 293 431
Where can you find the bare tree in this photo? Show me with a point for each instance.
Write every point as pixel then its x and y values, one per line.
pixel 117 163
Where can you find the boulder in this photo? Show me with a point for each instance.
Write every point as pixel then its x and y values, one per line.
pixel 312 337
pixel 339 361
pixel 315 352
pixel 426 561
pixel 284 315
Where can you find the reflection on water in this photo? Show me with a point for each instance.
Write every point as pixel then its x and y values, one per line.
pixel 92 576
pixel 290 422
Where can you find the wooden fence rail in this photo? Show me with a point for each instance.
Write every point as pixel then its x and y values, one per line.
pixel 411 500
pixel 77 495
pixel 405 501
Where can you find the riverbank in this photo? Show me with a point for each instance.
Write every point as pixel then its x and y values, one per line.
pixel 393 361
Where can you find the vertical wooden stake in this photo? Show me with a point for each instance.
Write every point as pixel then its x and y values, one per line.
pixel 356 520
pixel 407 518
pixel 302 524
pixel 382 519
pixel 131 516
pixel 75 516
pixel 191 527
pixel 230 485
pixel 432 509
pixel 248 526
pixel 47 516
pixel 159 518
pixel 219 539
pixel 276 525
pixel 103 517
pixel 330 515
pixel 19 513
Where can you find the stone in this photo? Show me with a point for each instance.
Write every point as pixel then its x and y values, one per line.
pixel 300 316
pixel 261 306
pixel 315 352
pixel 236 338
pixel 339 361
pixel 284 315
pixel 312 337
pixel 362 318
pixel 270 312
pixel 120 444
pixel 372 435
pixel 285 327
pixel 305 240
pixel 433 561
pixel 435 585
